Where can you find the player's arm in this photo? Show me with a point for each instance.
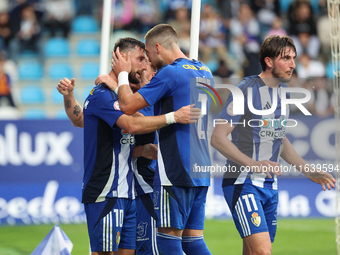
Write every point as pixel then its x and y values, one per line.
pixel 221 142
pixel 147 151
pixel 316 175
pixel 143 125
pixel 73 109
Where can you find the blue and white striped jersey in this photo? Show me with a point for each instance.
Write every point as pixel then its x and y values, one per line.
pixel 107 149
pixel 257 136
pixel 180 146
pixel 144 169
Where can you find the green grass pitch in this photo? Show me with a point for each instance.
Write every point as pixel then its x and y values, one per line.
pixel 294 236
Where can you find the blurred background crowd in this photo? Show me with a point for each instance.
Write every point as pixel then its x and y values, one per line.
pixel 42 41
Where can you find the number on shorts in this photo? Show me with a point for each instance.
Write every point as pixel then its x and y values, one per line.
pixel 252 198
pixel 119 217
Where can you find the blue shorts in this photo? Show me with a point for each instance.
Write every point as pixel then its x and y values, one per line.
pixel 111 224
pixel 146 226
pixel 254 209
pixel 180 207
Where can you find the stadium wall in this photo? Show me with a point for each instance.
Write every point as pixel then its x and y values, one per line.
pixel 41 167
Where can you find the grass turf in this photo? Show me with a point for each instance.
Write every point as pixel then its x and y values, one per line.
pixel 294 236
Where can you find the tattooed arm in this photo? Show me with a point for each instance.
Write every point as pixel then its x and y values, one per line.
pixel 73 109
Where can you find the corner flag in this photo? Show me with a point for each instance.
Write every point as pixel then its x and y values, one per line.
pixel 55 243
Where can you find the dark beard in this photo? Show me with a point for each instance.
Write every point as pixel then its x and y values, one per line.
pixel 133 79
pixel 159 64
pixel 280 79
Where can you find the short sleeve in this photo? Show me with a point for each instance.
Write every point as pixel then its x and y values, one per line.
pixel 155 90
pixel 109 110
pixel 227 112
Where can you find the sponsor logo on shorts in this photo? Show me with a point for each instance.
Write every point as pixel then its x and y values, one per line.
pixel 256 219
pixel 141 229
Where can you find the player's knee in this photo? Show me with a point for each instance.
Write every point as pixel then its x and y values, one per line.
pixel 262 251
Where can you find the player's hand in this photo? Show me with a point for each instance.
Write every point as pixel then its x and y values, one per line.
pixel 120 62
pixel 149 151
pixel 267 167
pixel 187 114
pixel 65 86
pixel 326 180
pixel 107 80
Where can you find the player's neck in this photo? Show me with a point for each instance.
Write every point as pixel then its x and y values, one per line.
pixel 269 80
pixel 172 55
pixel 113 76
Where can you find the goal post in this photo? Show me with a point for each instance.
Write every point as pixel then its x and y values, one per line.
pixel 334 20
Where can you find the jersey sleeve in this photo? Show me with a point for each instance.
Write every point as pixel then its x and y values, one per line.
pixel 155 90
pixel 109 109
pixel 227 112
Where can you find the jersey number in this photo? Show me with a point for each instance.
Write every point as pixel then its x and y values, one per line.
pixel 119 213
pixel 203 99
pixel 246 199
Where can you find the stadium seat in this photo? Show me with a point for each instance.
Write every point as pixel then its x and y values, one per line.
pixel 34 114
pixel 212 65
pixel 88 48
pixel 85 24
pixel 89 70
pixel 60 70
pixel 56 97
pixel 57 47
pixel 30 70
pixel 32 95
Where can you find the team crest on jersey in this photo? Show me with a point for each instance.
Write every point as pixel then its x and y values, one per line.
pixel 118 238
pixel 230 109
pixel 256 219
pixel 116 106
pixel 141 229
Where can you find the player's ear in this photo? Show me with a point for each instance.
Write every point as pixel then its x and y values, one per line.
pixel 123 55
pixel 158 47
pixel 153 74
pixel 269 62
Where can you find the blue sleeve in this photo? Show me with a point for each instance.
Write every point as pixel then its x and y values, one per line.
pixel 155 90
pixel 228 109
pixel 108 109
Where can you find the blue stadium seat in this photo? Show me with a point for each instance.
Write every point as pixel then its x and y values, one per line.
pixel 32 95
pixel 89 70
pixel 56 97
pixel 85 24
pixel 284 4
pixel 212 65
pixel 57 47
pixel 34 114
pixel 30 70
pixel 60 70
pixel 88 48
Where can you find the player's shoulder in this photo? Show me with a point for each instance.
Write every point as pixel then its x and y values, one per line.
pixel 250 82
pixel 102 93
pixel 283 85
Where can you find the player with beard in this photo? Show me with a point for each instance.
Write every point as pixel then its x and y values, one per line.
pixel 179 192
pixel 108 194
pixel 252 196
